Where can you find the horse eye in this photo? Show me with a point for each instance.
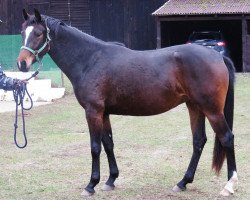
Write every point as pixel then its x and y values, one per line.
pixel 37 33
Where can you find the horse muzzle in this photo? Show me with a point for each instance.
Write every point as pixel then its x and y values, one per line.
pixel 22 66
pixel 25 60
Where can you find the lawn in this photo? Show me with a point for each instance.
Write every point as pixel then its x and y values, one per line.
pixel 152 154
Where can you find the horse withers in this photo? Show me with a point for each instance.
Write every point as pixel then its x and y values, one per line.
pixel 111 79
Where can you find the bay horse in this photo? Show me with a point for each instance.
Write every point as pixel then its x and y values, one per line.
pixel 109 78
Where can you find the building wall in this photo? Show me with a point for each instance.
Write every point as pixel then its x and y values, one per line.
pixel 126 21
pixel 246 44
pixel 11 13
pixel 76 13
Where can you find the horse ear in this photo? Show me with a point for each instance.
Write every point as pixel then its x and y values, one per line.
pixel 25 15
pixel 37 15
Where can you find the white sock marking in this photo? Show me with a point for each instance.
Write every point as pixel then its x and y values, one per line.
pixel 229 187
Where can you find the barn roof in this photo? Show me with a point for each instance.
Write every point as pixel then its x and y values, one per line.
pixel 203 7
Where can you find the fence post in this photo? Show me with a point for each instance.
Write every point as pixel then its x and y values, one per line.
pixel 62 78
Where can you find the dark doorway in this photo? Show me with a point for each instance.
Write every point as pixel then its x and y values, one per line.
pixel 177 32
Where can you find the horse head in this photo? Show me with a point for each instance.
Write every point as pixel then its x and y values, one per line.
pixel 35 40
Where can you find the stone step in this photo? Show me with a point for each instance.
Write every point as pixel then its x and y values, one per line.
pixel 19 75
pixel 39 90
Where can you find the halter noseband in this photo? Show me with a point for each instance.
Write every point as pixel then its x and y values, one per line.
pixel 36 52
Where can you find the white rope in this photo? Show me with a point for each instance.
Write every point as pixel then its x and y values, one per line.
pixel 69 13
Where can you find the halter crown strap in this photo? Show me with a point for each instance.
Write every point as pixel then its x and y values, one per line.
pixel 48 31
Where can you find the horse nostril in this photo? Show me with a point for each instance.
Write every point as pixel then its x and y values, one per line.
pixel 23 66
pixel 23 63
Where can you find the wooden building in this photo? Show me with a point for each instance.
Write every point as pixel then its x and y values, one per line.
pixel 74 12
pixel 176 20
pixel 126 21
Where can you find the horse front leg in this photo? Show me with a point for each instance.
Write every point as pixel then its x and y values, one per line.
pixel 108 144
pixel 197 119
pixel 95 123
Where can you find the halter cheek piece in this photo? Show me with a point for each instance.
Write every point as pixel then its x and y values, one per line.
pixel 36 52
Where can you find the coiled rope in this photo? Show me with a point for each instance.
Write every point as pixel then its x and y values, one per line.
pixel 19 92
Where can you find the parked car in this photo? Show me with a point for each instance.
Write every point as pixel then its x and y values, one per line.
pixel 210 39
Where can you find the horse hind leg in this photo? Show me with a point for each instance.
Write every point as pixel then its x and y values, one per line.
pixel 224 147
pixel 197 119
pixel 107 141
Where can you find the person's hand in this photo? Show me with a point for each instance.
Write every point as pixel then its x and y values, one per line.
pixel 19 82
pixel 24 81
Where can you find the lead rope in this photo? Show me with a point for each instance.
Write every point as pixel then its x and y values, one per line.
pixel 19 93
pixel 20 90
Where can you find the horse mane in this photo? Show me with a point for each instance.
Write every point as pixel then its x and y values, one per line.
pixel 55 24
pixel 52 23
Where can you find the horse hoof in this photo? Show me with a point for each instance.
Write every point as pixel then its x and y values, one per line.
pixel 176 189
pixel 86 193
pixel 225 193
pixel 108 187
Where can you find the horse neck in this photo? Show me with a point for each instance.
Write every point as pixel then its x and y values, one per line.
pixel 71 49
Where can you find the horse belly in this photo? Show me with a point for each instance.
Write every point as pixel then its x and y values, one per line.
pixel 144 105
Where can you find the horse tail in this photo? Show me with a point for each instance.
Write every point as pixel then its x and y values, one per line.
pixel 219 153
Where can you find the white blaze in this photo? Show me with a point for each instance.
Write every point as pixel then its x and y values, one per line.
pixel 28 30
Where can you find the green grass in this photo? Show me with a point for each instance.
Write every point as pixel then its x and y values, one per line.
pixel 54 75
pixel 152 154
